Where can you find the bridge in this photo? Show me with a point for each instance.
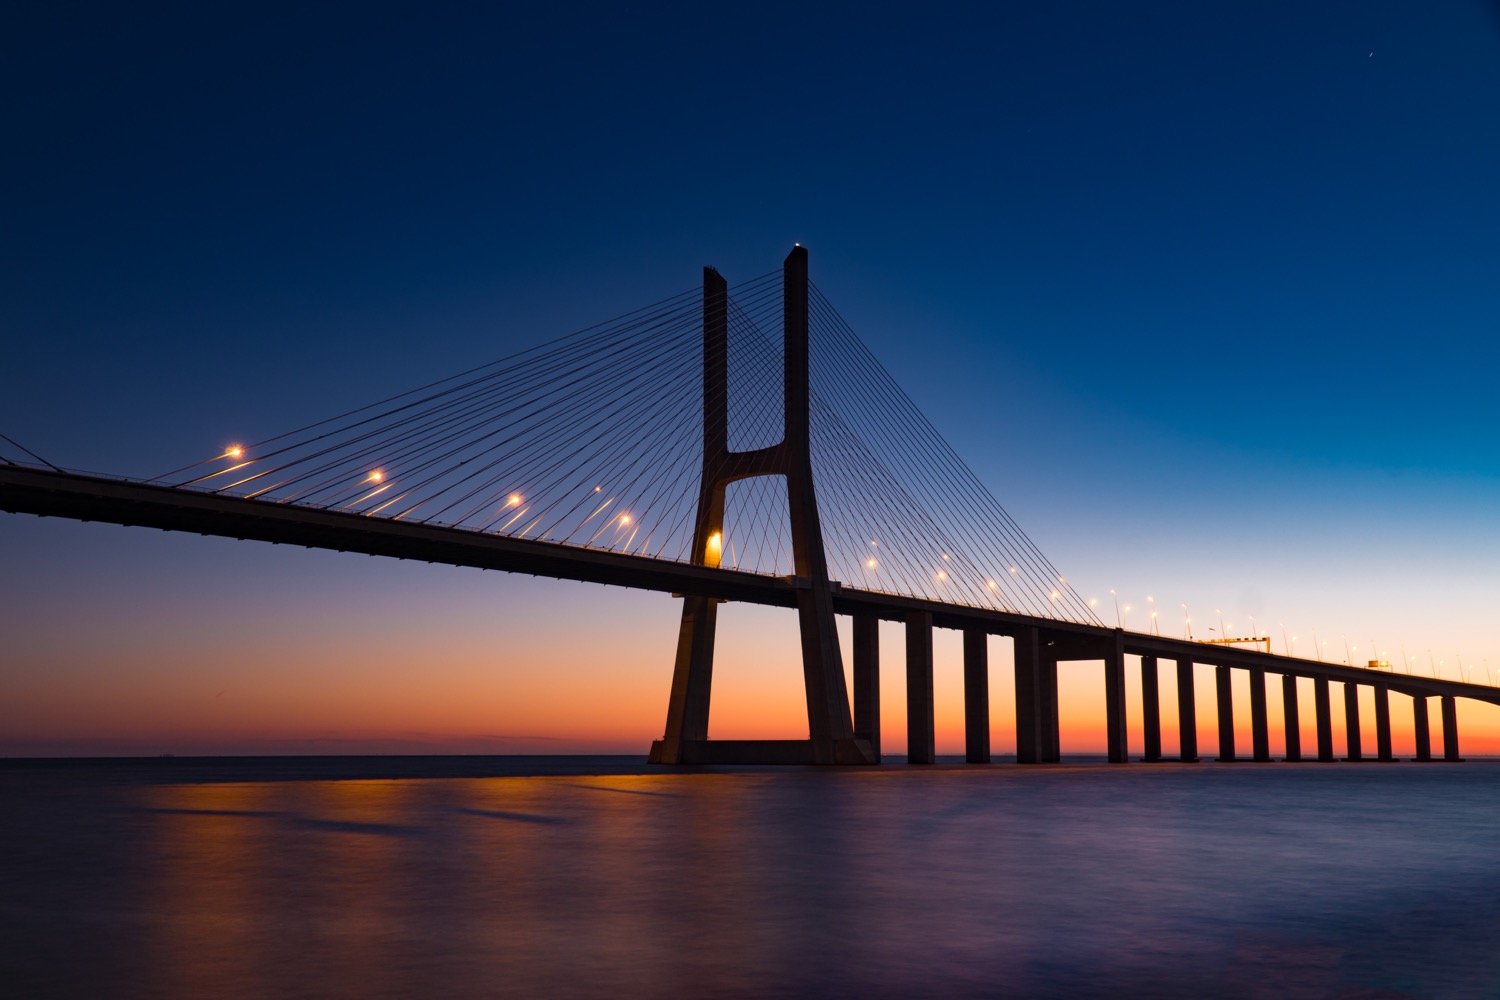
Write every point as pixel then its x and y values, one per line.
pixel 610 457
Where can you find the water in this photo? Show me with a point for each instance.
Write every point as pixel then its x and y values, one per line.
pixel 593 878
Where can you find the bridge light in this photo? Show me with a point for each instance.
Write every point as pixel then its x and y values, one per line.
pixel 598 488
pixel 869 563
pixel 990 584
pixel 945 557
pixel 376 476
pixel 1055 595
pixel 715 549
pixel 233 451
pixel 515 500
pixel 941 576
pixel 624 518
pixel 1013 569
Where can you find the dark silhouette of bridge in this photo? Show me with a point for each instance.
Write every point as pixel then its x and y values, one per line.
pixel 554 461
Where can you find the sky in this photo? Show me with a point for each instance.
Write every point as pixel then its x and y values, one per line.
pixel 1204 293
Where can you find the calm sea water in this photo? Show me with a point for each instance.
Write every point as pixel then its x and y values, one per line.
pixel 602 878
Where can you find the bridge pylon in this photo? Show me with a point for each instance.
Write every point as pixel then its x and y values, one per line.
pixel 830 724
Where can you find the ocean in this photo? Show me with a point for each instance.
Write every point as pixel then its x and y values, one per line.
pixel 604 877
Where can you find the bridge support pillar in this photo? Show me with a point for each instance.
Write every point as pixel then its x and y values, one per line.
pixel 1260 733
pixel 1383 723
pixel 1036 699
pixel 830 722
pixel 1292 717
pixel 920 738
pixel 976 696
pixel 1351 721
pixel 1114 699
pixel 1421 727
pixel 1049 690
pixel 692 680
pixel 1151 707
pixel 1226 713
pixel 1187 714
pixel 1322 704
pixel 1450 728
pixel 867 681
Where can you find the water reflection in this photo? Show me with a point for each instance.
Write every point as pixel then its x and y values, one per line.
pixel 986 882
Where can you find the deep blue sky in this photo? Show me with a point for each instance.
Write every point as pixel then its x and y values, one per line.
pixel 1207 293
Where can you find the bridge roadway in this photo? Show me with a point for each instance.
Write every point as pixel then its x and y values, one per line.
pixel 1041 643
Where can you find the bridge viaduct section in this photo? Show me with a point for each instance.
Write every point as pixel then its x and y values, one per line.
pixel 1039 650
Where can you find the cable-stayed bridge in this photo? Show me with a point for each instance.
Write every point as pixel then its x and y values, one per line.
pixel 728 444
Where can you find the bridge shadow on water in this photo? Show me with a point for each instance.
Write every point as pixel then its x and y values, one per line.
pixel 605 877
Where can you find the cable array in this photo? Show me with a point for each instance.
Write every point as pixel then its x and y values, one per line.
pixel 901 511
pixel 596 440
pixel 587 440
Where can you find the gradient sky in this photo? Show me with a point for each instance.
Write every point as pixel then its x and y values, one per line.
pixel 1205 293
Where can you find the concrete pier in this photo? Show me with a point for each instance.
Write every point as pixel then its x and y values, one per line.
pixel 867 680
pixel 921 747
pixel 1383 723
pixel 1260 730
pixel 1351 722
pixel 1114 700
pixel 1450 728
pixel 976 696
pixel 1151 707
pixel 1049 706
pixel 1187 714
pixel 1422 727
pixel 1322 704
pixel 1292 717
pixel 1036 700
pixel 1226 714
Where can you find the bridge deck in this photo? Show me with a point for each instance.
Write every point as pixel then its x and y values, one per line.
pixel 95 498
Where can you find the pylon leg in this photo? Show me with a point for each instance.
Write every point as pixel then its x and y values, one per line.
pixel 692 681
